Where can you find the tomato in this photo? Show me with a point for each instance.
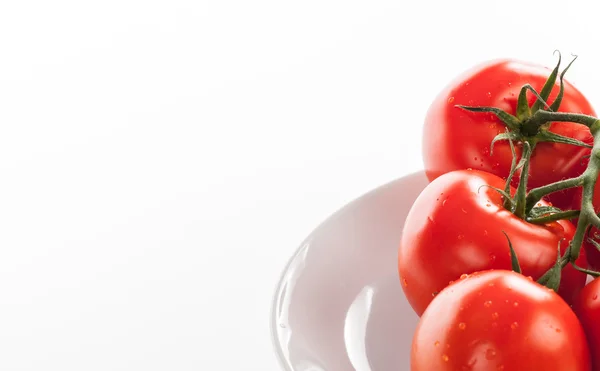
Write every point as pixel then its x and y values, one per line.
pixel 456 226
pixel 499 320
pixel 592 253
pixel 587 308
pixel 455 139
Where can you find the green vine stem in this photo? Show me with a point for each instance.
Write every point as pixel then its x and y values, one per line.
pixel 569 214
pixel 586 271
pixel 587 180
pixel 536 194
pixel 521 193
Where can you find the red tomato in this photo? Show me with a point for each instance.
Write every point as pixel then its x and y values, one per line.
pixel 499 320
pixel 455 139
pixel 455 227
pixel 591 252
pixel 587 308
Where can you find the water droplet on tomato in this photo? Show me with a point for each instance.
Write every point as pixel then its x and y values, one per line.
pixel 490 354
pixel 469 367
pixel 530 278
pixel 514 325
pixel 444 202
pixel 451 99
pixel 469 168
pixel 485 232
pixel 516 304
pixel 495 315
pixel 487 304
pixel 494 324
pixel 486 151
pixel 445 358
pixel 462 326
pixel 488 205
pixel 489 94
pixel 509 84
pixel 404 282
pixel 474 158
pixel 463 210
pixel 436 344
pixel 492 258
pixel 463 276
pixel 496 165
pixel 460 236
pixel 595 297
pixel 558 330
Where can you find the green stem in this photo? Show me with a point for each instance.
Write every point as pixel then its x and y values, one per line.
pixel 541 117
pixel 508 201
pixel 521 194
pixel 569 214
pixel 588 215
pixel 536 194
pixel 548 85
pixel 577 241
pixel 547 116
pixel 586 271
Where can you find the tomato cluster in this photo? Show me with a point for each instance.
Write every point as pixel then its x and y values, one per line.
pixel 492 269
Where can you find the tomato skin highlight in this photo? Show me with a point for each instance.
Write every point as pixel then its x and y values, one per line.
pixel 455 139
pixel 499 320
pixel 456 226
pixel 587 309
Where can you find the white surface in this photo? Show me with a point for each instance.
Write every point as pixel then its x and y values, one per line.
pixel 161 160
pixel 339 305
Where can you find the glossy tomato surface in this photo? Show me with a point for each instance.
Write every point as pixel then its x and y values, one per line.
pixel 456 139
pixel 587 308
pixel 456 226
pixel 499 320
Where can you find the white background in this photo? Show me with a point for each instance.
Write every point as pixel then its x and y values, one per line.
pixel 161 160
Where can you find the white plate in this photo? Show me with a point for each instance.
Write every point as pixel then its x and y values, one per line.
pixel 339 305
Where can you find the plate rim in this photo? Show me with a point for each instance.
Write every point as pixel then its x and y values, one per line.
pixel 276 344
